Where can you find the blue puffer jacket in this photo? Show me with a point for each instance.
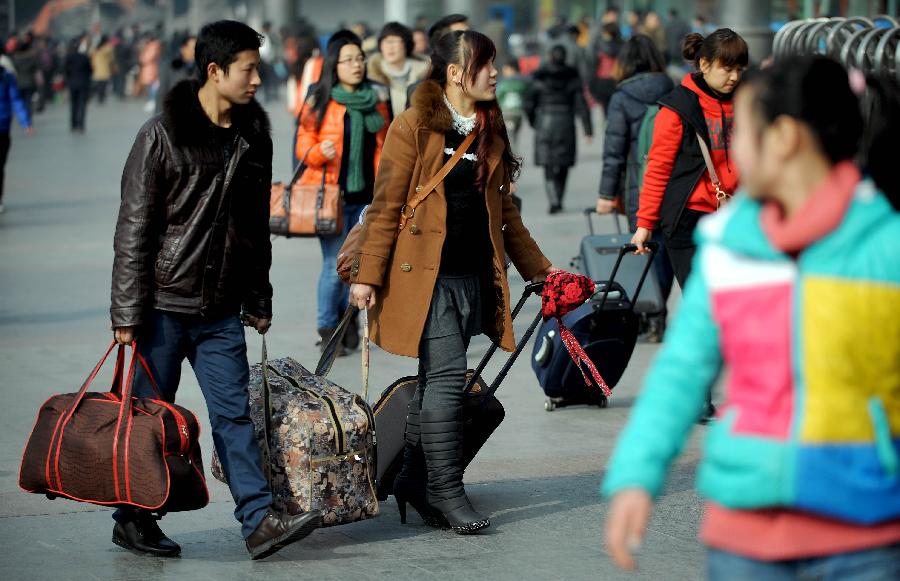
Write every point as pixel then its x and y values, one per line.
pixel 621 161
pixel 10 101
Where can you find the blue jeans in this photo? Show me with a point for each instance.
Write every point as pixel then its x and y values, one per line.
pixel 217 351
pixel 333 294
pixel 879 564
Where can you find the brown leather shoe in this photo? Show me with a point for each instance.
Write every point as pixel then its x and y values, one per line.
pixel 278 531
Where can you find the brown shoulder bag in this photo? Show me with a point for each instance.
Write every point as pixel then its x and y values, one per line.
pixel 297 210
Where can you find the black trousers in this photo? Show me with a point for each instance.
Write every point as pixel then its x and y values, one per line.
pixel 557 177
pixel 681 247
pixel 4 152
pixel 100 90
pixel 78 98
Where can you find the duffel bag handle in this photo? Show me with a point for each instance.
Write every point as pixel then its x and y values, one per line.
pixel 121 383
pixel 267 411
pixel 329 352
pixel 125 396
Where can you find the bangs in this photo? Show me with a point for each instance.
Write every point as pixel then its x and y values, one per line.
pixel 733 52
pixel 478 51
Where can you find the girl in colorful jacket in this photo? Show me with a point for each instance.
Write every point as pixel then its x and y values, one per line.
pixel 795 300
pixel 341 131
pixel 677 189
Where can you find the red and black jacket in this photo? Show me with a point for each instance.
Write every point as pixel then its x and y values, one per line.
pixel 676 177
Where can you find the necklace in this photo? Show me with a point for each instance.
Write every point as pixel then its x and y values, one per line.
pixel 463 125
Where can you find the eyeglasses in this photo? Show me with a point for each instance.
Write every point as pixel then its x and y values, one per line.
pixel 360 60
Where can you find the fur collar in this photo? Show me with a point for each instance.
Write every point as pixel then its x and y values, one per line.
pixel 187 123
pixel 428 101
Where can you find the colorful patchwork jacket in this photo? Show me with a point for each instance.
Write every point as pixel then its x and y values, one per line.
pixel 810 350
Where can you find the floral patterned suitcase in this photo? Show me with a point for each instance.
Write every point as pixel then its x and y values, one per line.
pixel 321 444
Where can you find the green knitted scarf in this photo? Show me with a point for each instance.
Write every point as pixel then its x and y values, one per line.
pixel 363 117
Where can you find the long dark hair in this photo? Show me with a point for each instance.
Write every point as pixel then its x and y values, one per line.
pixel 321 94
pixel 881 114
pixel 639 55
pixel 473 51
pixel 794 87
pixel 723 45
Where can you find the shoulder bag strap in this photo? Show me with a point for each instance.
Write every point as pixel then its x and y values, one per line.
pixel 721 195
pixel 409 209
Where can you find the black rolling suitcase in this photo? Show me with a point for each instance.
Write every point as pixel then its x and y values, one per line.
pixel 606 327
pixel 598 254
pixel 482 411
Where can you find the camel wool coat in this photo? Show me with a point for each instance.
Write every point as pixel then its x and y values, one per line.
pixel 404 268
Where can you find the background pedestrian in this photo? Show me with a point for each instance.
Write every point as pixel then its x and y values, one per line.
pixel 342 129
pixel 78 73
pixel 554 99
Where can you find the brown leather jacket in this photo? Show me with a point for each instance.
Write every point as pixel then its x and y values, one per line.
pixel 405 268
pixel 193 230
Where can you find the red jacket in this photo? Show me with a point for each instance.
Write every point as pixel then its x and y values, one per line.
pixel 310 136
pixel 667 141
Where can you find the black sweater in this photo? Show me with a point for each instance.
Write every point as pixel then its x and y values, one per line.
pixel 467 242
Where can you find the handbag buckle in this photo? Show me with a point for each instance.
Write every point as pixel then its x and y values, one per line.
pixel 721 196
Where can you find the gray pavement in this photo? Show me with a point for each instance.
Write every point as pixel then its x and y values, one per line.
pixel 537 476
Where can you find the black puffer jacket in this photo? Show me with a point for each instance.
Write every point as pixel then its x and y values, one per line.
pixel 193 229
pixel 553 100
pixel 621 159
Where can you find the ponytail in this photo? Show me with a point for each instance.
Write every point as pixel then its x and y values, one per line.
pixel 724 45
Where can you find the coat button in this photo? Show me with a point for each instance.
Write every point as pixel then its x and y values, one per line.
pixel 405 267
pixel 414 229
pixel 419 189
pixel 502 187
pixel 503 228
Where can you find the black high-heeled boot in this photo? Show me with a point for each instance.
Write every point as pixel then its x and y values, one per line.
pixel 409 484
pixel 442 442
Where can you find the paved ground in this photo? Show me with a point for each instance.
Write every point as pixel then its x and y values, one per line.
pixel 537 477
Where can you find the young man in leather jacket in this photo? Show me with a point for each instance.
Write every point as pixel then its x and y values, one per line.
pixel 192 258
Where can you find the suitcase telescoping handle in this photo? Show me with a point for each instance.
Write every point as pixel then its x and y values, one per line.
pixel 530 289
pixel 653 247
pixel 589 214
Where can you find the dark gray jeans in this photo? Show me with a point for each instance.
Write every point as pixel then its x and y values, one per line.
pixel 453 319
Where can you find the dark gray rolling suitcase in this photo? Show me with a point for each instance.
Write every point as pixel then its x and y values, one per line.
pixel 482 411
pixel 598 255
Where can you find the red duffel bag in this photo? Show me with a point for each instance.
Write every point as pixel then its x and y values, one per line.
pixel 116 450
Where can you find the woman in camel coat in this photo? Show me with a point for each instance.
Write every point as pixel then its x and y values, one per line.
pixel 442 279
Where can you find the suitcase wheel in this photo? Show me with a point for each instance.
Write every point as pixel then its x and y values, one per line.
pixel 549 405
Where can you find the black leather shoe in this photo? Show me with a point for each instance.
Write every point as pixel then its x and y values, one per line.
pixel 276 532
pixel 142 536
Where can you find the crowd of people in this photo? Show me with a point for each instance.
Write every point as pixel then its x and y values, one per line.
pixel 778 219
